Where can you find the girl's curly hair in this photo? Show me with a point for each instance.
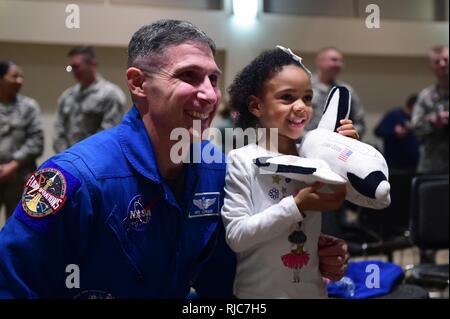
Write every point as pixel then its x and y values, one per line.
pixel 250 81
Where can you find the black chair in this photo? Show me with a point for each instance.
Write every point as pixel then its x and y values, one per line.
pixel 405 291
pixel 429 228
pixel 376 232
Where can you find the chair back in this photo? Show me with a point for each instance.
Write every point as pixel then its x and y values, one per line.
pixel 429 223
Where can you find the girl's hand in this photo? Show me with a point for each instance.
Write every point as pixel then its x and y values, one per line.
pixel 309 199
pixel 347 129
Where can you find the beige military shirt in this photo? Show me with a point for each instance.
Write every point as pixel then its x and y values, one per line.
pixel 21 134
pixel 320 96
pixel 82 113
pixel 434 149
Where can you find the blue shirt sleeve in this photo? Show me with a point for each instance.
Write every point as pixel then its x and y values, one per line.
pixel 36 249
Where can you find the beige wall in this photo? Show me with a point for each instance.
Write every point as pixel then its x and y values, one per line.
pixel 109 24
pixel 46 77
pixel 44 67
pixel 381 81
pixel 384 65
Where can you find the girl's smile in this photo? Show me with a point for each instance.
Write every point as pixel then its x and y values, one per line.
pixel 285 103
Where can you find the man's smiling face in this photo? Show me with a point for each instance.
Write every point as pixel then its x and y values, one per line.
pixel 184 89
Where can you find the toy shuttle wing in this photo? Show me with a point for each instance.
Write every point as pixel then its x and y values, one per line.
pixel 336 109
pixel 298 168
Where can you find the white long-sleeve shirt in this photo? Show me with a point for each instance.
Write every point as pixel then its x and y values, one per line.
pixel 259 214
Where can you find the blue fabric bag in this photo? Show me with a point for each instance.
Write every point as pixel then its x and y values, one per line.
pixel 366 279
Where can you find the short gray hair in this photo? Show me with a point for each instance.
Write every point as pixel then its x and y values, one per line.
pixel 154 38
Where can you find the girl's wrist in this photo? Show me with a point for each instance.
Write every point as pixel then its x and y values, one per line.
pixel 298 201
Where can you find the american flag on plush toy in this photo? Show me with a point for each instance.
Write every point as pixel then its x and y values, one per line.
pixel 345 154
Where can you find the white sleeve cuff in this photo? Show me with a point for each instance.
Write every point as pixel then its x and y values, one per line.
pixel 290 207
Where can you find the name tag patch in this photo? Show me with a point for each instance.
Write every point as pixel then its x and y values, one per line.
pixel 205 204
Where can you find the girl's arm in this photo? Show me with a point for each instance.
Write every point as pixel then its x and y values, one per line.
pixel 244 227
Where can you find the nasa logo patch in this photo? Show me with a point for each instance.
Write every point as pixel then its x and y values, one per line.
pixel 138 214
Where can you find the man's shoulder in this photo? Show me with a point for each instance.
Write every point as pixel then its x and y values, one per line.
pixel 28 103
pixel 347 85
pixel 68 92
pixel 110 85
pixel 397 111
pixel 100 155
pixel 111 90
pixel 68 162
pixel 427 92
pixel 318 87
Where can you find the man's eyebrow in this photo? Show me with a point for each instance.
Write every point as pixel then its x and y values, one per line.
pixel 181 68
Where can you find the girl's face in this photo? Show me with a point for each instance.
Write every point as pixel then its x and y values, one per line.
pixel 285 102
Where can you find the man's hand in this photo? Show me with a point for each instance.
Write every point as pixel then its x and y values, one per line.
pixel 439 119
pixel 7 170
pixel 333 257
pixel 444 117
pixel 400 131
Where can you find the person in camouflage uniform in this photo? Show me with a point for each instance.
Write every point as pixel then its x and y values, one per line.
pixel 92 105
pixel 329 64
pixel 430 117
pixel 21 135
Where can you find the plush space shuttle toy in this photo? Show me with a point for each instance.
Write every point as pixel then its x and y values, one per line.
pixel 332 158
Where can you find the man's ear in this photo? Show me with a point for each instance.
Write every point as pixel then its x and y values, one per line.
pixel 135 82
pixel 94 63
pixel 254 106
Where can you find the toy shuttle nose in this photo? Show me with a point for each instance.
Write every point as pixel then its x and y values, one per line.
pixel 383 190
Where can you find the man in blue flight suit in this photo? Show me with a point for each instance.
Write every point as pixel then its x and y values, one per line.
pixel 114 216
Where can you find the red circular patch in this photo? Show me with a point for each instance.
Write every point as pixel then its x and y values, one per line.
pixel 44 192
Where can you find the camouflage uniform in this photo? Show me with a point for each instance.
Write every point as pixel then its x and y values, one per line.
pixel 321 92
pixel 21 139
pixel 434 150
pixel 82 113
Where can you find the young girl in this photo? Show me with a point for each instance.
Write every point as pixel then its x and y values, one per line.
pixel 273 223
